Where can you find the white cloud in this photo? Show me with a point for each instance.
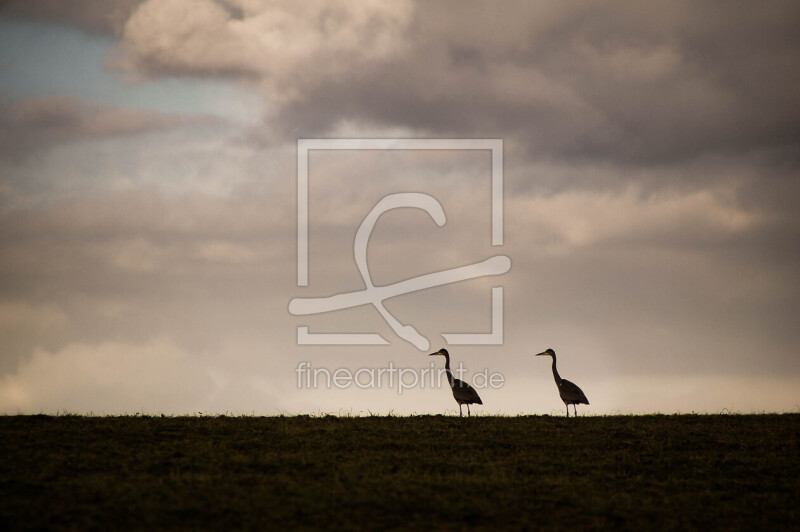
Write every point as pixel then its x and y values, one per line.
pixel 284 44
pixel 694 393
pixel 577 218
pixel 108 378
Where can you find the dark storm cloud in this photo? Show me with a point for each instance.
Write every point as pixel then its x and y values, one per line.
pixel 618 83
pixel 614 81
pixel 651 164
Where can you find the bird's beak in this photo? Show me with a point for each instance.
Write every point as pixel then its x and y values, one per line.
pixel 436 353
pixel 543 353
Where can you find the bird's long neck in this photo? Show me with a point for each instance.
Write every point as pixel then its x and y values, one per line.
pixel 447 369
pixel 556 376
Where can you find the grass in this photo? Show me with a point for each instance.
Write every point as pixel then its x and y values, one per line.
pixel 632 472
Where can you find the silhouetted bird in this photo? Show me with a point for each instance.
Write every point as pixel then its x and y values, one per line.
pixel 569 392
pixel 463 393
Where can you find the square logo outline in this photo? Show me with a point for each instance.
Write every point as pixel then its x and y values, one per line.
pixel 305 146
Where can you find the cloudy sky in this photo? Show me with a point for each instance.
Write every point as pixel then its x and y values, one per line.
pixel 148 201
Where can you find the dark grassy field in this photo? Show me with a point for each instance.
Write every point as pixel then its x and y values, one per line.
pixel 643 472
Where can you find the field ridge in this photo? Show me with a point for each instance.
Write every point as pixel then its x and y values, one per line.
pixel 733 471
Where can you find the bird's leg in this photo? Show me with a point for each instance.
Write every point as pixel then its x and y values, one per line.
pixel 460 412
pixel 469 414
pixel 575 407
pixel 567 405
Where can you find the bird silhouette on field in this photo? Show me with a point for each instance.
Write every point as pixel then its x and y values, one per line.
pixel 569 391
pixel 463 393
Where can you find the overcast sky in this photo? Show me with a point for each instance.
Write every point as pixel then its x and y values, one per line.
pixel 148 206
